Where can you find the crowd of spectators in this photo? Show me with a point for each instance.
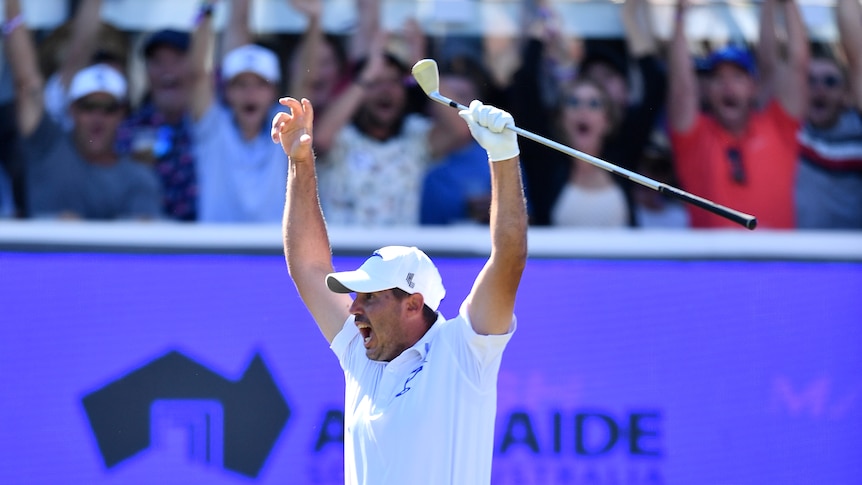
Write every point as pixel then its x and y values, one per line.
pixel 772 128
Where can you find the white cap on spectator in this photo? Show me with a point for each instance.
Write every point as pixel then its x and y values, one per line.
pixel 254 59
pixel 99 78
pixel 407 268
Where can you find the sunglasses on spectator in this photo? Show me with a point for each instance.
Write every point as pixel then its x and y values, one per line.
pixel 737 169
pixel 826 80
pixel 591 103
pixel 103 107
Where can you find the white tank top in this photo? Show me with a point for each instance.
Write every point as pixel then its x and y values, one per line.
pixel 587 207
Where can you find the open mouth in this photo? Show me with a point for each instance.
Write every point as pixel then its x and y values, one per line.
pixel 730 103
pixel 365 331
pixel 582 128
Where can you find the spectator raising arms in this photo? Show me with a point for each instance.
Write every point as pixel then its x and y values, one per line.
pixel 240 172
pixel 158 133
pixel 739 155
pixel 79 174
pixel 829 184
pixel 371 143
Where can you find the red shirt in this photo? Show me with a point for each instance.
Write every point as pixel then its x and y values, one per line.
pixel 753 173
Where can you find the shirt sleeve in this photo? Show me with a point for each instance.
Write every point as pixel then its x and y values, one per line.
pixel 785 122
pixel 478 355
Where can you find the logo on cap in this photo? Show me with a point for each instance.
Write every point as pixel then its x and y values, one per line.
pixel 410 280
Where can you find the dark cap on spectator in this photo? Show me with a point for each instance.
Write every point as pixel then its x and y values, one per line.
pixel 732 54
pixel 170 38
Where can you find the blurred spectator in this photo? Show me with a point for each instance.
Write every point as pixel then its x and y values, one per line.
pixel 591 197
pixel 79 42
pixel 739 155
pixel 75 175
pixel 371 143
pixel 241 173
pixel 549 61
pixel 654 209
pixel 457 188
pixel 829 183
pixel 10 171
pixel 637 93
pixel 159 132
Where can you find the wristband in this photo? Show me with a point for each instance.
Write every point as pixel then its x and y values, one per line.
pixel 10 25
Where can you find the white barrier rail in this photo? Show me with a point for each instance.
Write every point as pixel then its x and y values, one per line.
pixel 760 244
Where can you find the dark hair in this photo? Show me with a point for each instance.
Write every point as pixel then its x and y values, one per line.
pixel 429 315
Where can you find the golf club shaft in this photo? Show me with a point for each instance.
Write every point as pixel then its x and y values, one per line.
pixel 736 216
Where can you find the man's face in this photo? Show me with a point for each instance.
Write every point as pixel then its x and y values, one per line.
pixel 380 317
pixel 730 93
pixel 385 98
pixel 96 119
pixel 167 75
pixel 250 97
pixel 827 92
pixel 586 117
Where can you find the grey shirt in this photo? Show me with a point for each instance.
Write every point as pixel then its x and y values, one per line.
pixel 60 181
pixel 829 180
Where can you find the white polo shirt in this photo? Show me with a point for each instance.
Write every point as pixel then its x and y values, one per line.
pixel 426 417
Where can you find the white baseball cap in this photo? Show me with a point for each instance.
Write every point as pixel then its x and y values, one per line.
pixel 407 268
pixel 254 59
pixel 98 78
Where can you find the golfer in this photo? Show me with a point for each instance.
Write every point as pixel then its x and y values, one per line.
pixel 421 390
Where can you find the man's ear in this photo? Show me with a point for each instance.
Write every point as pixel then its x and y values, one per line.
pixel 415 302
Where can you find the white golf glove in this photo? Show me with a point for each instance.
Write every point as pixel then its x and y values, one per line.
pixel 487 125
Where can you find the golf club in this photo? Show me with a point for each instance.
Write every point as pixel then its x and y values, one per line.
pixel 426 75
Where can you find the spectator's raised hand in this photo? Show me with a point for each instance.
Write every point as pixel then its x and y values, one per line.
pixel 294 129
pixel 414 36
pixel 375 64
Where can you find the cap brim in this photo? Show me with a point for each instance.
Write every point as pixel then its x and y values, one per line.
pixel 357 281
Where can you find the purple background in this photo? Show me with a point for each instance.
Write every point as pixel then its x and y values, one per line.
pixel 749 372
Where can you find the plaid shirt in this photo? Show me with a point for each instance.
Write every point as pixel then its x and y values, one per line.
pixel 168 148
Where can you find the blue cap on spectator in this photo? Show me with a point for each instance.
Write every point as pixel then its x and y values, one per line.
pixel 734 55
pixel 171 38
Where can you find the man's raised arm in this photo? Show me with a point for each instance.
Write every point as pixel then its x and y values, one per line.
pixel 306 242
pixel 491 302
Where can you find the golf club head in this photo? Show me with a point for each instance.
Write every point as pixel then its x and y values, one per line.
pixel 426 75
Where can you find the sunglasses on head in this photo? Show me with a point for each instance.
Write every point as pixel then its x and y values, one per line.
pixel 591 103
pixel 737 169
pixel 826 80
pixel 104 107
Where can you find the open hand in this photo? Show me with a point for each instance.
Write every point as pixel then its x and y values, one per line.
pixel 294 129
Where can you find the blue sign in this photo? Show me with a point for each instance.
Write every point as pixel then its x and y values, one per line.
pixel 136 368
